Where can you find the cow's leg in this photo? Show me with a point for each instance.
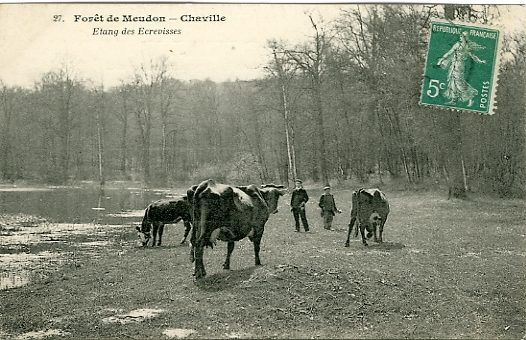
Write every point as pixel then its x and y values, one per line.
pixel 362 231
pixel 257 246
pixel 155 229
pixel 230 249
pixel 381 230
pixel 187 227
pixel 199 270
pixel 351 225
pixel 160 232
pixel 192 248
pixel 154 233
pixel 374 233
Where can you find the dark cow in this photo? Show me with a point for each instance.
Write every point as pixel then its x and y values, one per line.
pixel 369 211
pixel 160 212
pixel 227 213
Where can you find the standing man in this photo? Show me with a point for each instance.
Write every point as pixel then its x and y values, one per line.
pixel 297 204
pixel 328 207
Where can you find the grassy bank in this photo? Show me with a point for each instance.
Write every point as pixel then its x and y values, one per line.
pixel 446 269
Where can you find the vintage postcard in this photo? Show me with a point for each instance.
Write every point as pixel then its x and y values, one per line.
pixel 262 171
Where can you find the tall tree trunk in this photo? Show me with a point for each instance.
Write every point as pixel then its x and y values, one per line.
pixel 124 92
pixel 164 152
pixel 289 135
pixel 311 59
pixel 100 137
pixel 64 130
pixel 146 141
pixel 122 166
pixel 6 168
pixel 289 131
pixel 321 133
pixel 454 142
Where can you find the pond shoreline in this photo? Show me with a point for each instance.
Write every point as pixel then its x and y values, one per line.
pixel 32 248
pixel 118 204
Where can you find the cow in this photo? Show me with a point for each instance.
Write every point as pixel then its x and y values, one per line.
pixel 229 213
pixel 160 212
pixel 369 210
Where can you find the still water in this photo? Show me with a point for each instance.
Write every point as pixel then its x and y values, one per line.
pixel 81 204
pixel 75 208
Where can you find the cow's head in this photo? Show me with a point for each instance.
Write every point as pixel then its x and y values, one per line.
pixel 271 194
pixel 375 218
pixel 144 234
pixel 373 222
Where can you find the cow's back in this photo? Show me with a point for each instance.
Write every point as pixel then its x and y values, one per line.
pixel 367 201
pixel 215 201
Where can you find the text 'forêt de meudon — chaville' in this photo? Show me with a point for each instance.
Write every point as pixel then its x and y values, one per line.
pixel 147 18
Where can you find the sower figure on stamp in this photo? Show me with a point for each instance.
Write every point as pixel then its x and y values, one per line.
pixel 328 207
pixel 297 204
pixel 455 60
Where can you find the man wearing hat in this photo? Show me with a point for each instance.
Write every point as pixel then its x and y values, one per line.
pixel 297 204
pixel 328 207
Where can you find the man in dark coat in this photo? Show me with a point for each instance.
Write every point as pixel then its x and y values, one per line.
pixel 297 204
pixel 328 207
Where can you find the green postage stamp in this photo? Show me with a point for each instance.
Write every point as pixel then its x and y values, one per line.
pixel 462 67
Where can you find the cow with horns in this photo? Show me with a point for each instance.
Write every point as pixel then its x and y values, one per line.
pixel 229 213
pixel 369 211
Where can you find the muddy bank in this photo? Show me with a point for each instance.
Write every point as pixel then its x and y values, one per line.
pixel 31 247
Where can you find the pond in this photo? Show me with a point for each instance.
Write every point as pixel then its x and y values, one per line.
pixel 82 204
pixel 30 246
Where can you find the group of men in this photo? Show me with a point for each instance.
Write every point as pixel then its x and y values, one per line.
pixel 327 205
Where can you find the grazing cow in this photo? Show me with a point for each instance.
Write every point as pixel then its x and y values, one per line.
pixel 369 211
pixel 160 212
pixel 228 213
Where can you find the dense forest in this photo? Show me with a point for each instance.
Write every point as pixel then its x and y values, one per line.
pixel 341 105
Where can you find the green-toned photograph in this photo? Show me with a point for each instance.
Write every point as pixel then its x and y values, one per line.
pixel 262 171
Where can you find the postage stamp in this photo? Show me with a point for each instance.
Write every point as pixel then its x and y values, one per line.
pixel 462 67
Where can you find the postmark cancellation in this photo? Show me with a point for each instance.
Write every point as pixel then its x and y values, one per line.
pixel 462 66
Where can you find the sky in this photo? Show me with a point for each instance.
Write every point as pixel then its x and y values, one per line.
pixel 34 41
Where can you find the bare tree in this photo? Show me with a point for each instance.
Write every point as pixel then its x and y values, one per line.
pixel 310 58
pixel 59 90
pixel 124 91
pixel 284 71
pixel 7 110
pixel 99 116
pixel 147 82
pixel 169 88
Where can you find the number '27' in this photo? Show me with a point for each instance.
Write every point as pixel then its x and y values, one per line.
pixel 434 88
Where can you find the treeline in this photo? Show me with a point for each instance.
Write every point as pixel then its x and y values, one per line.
pixel 341 105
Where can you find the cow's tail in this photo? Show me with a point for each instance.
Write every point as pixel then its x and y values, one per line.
pixel 354 213
pixel 190 196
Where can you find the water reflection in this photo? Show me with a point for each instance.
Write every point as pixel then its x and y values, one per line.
pixel 82 205
pixel 99 209
pixel 79 206
pixel 10 280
